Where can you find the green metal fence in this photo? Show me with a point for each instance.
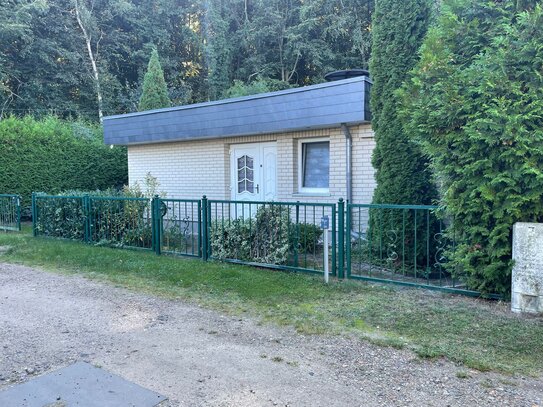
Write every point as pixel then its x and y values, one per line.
pixel 59 216
pixel 120 222
pixel 400 244
pixel 281 235
pixel 10 212
pixel 108 221
pixel 179 226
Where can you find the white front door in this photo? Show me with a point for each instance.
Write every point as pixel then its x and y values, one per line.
pixel 254 172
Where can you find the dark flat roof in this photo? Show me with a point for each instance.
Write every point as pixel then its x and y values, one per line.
pixel 310 107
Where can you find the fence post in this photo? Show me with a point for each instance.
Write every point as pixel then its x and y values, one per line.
pixel 203 230
pixel 18 199
pixel 297 237
pixel 200 240
pixel 348 241
pixel 34 215
pixel 156 227
pixel 153 224
pixel 341 238
pixel 334 241
pixel 86 213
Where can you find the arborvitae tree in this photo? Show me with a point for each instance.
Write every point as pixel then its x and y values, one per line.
pixel 398 30
pixel 402 172
pixel 475 103
pixel 155 91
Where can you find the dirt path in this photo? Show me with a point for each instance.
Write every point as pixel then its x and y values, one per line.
pixel 198 357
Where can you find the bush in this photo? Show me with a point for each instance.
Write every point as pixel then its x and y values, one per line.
pixel 54 155
pixel 232 240
pixel 307 235
pixel 475 103
pixel 264 239
pixel 61 217
pixel 113 222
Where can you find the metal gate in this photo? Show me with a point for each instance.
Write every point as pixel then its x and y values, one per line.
pixel 10 212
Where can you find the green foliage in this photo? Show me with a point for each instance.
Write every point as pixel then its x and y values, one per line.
pixel 231 239
pixel 261 85
pixel 155 91
pixel 307 235
pixel 61 217
pixel 475 103
pixel 115 222
pixel 264 239
pixel 53 155
pixel 148 188
pixel 401 171
pixel 204 46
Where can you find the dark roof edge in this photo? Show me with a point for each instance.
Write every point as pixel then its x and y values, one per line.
pixel 294 129
pixel 242 98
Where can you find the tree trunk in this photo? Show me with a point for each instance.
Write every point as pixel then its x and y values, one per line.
pixel 92 58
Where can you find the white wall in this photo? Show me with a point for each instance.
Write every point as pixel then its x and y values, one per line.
pixel 191 169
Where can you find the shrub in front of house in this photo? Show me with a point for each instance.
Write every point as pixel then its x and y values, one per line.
pixel 262 239
pixel 114 222
pixel 231 239
pixel 306 237
pixel 61 217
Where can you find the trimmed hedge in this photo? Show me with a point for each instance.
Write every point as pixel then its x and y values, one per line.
pixel 54 155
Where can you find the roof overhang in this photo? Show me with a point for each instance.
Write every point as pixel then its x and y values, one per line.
pixel 311 107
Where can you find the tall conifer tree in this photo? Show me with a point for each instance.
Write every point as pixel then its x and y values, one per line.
pixel 475 105
pixel 155 91
pixel 398 30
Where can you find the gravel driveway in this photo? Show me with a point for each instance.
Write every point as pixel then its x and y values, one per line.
pixel 198 357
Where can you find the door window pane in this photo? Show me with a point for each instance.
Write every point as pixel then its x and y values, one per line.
pixel 316 164
pixel 245 174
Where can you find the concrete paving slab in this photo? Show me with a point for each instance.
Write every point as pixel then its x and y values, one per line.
pixel 82 385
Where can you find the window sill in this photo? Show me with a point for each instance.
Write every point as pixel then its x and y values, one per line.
pixel 321 194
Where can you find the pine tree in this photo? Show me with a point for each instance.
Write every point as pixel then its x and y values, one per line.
pixel 155 91
pixel 398 30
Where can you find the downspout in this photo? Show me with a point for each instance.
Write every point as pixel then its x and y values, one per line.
pixel 348 161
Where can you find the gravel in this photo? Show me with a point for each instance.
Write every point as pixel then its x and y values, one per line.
pixel 198 357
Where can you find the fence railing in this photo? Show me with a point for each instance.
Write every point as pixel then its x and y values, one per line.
pixel 10 212
pixel 400 244
pixel 283 235
pixel 108 221
pixel 179 226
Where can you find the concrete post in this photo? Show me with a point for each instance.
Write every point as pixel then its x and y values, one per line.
pixel 527 278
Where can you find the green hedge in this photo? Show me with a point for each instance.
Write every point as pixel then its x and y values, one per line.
pixel 54 155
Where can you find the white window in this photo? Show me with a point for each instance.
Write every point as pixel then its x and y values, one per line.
pixel 314 165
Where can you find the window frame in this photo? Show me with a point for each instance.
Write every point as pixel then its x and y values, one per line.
pixel 301 188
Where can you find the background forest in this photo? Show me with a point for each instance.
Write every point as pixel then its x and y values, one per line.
pixel 87 58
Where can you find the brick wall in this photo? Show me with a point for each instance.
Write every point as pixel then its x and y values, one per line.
pixel 191 169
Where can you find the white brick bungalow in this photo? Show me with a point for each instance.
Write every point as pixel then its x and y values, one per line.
pixel 312 143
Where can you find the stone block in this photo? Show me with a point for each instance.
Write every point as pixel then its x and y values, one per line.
pixel 527 277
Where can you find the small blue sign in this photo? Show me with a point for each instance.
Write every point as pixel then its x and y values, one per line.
pixel 325 222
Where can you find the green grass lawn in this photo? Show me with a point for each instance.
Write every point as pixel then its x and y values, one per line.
pixel 477 333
